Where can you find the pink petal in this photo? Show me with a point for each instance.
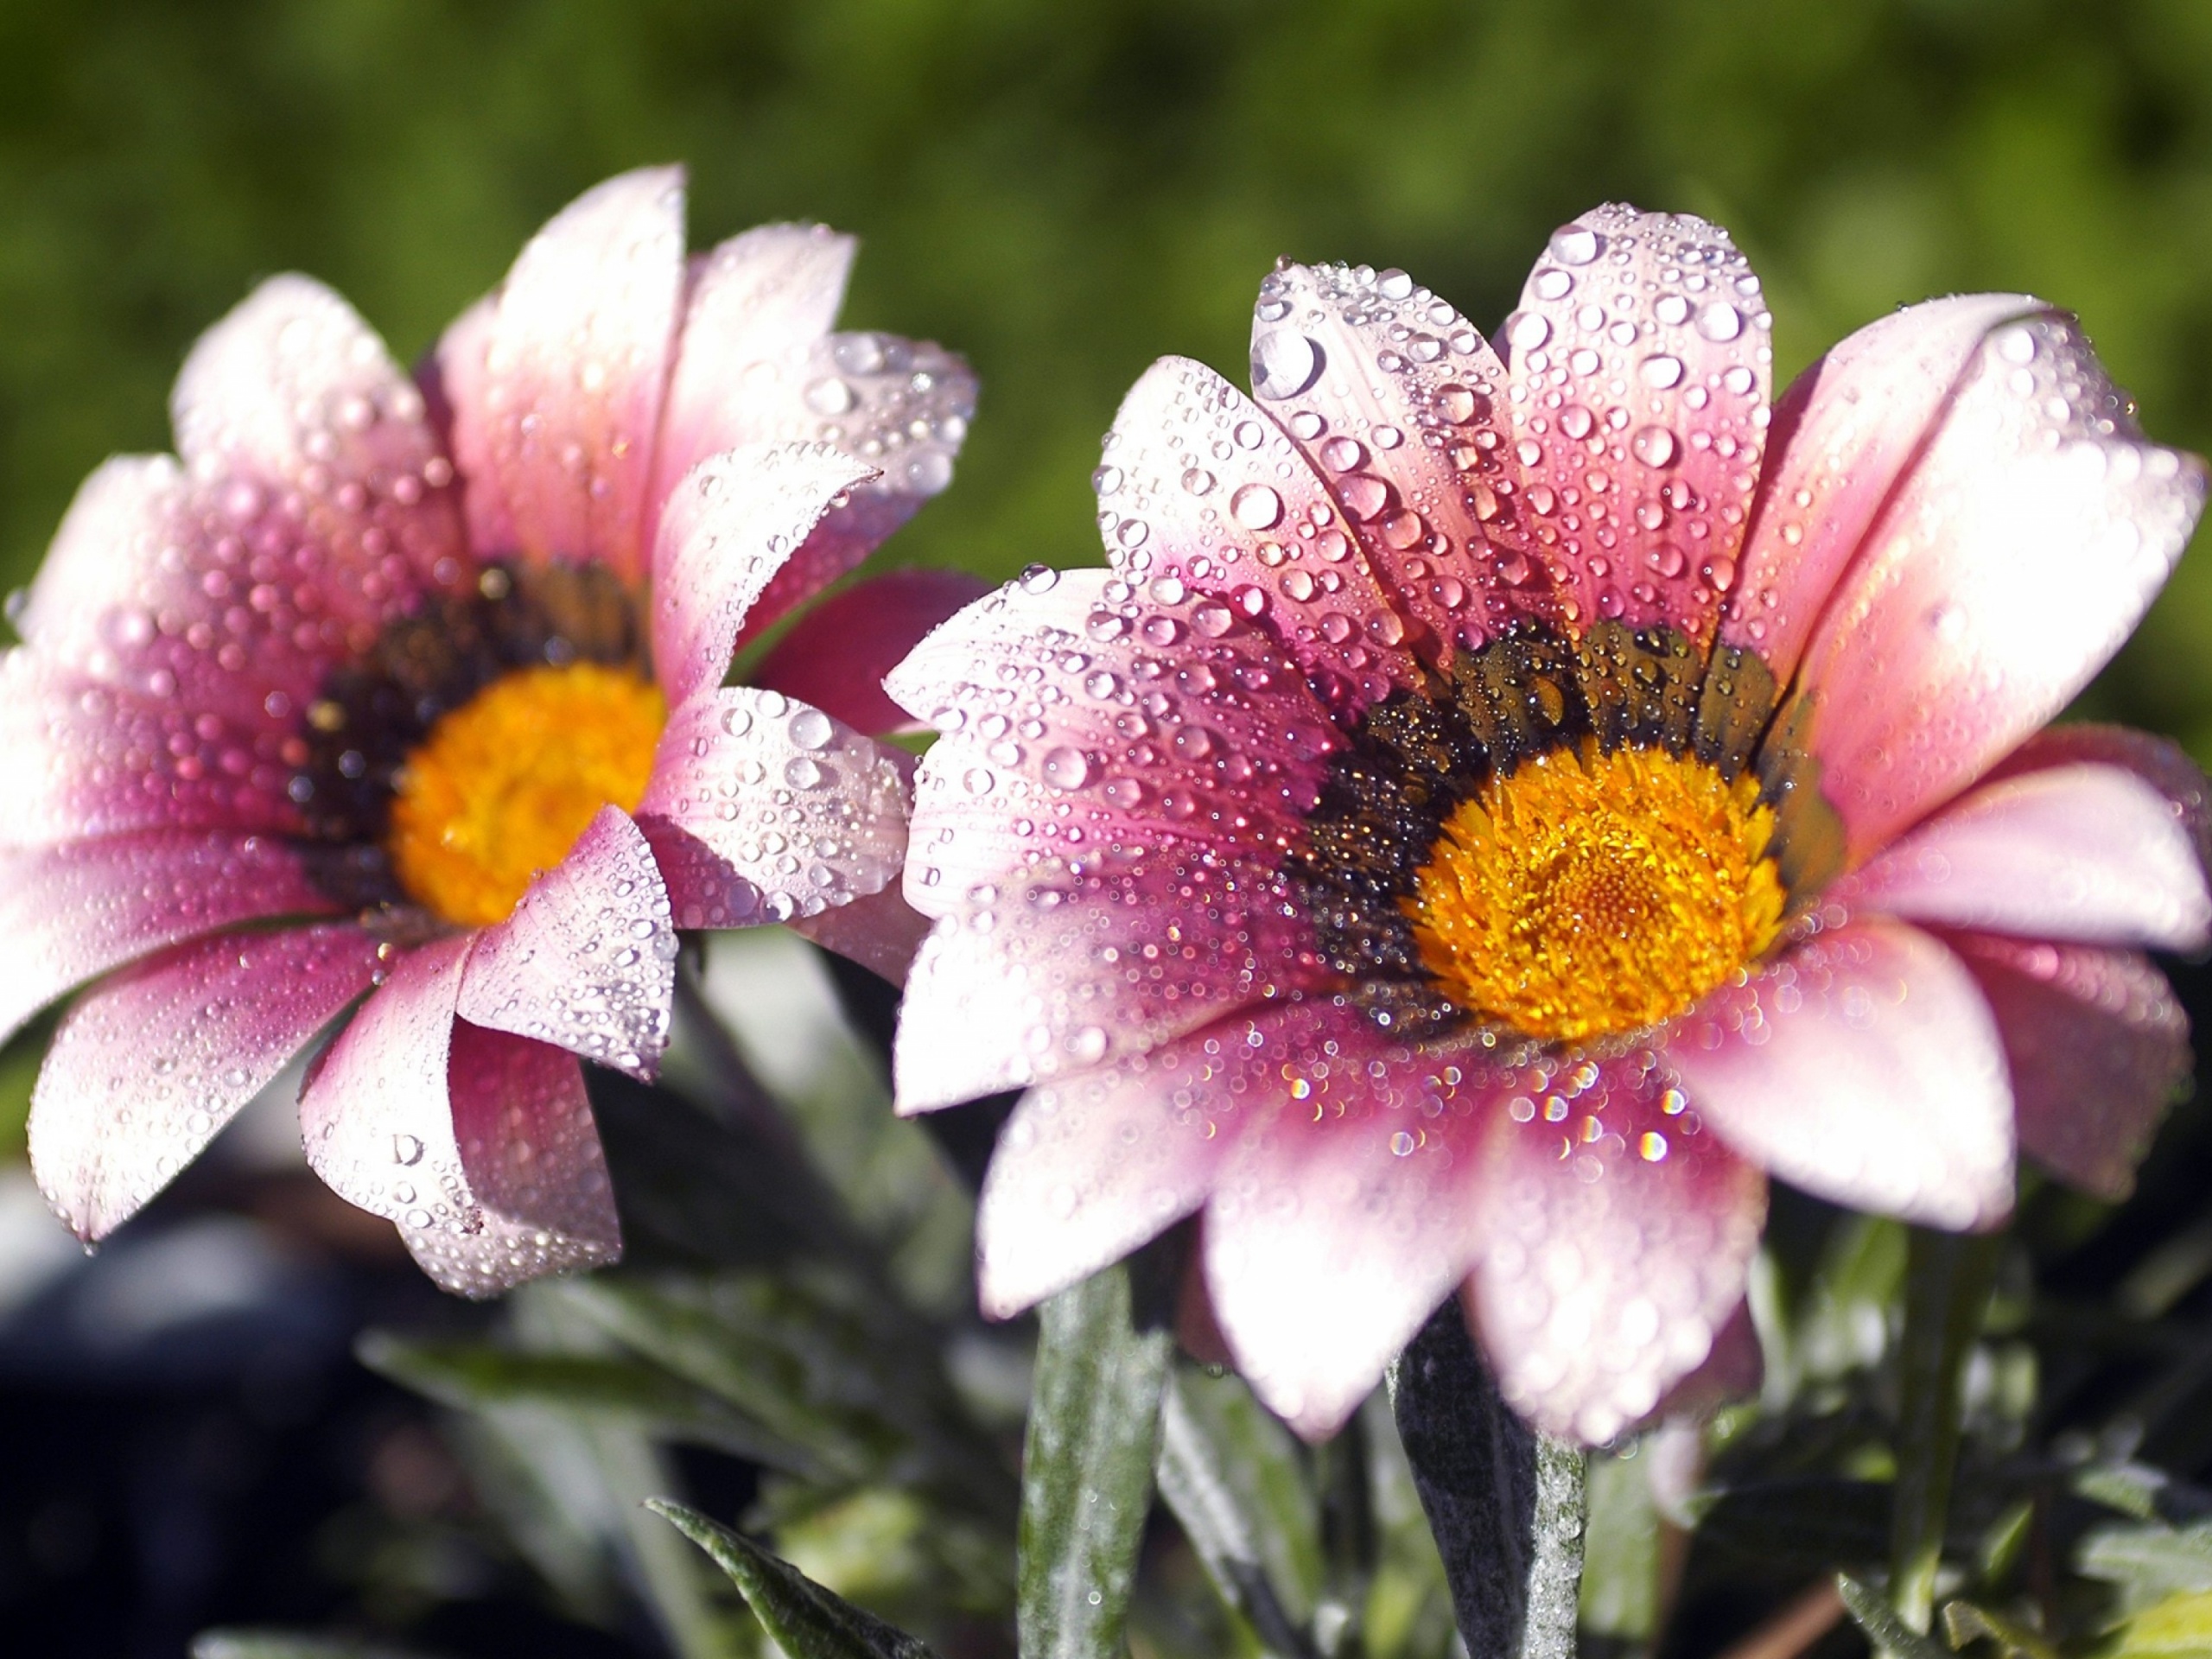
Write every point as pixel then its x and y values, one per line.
pixel 2097 1047
pixel 754 307
pixel 1344 1212
pixel 1060 968
pixel 1842 433
pixel 2158 761
pixel 1097 722
pixel 900 407
pixel 800 805
pixel 71 912
pixel 836 656
pixel 458 377
pixel 882 932
pixel 1199 491
pixel 704 890
pixel 532 1155
pixel 1065 968
pixel 1866 1067
pixel 310 508
pixel 1615 1240
pixel 1394 398
pixel 2085 852
pixel 567 398
pixel 1091 1165
pixel 149 1065
pixel 588 960
pixel 726 530
pixel 479 1144
pixel 91 760
pixel 1637 407
pixel 2005 570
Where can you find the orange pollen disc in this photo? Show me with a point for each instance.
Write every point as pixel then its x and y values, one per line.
pixel 1589 893
pixel 505 784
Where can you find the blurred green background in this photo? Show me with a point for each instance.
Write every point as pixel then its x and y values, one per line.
pixel 1065 189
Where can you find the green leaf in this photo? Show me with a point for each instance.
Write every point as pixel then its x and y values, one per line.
pixel 1889 1633
pixel 1094 1433
pixel 290 1645
pixel 807 1621
pixel 1964 1622
pixel 1621 1552
pixel 1948 1280
pixel 1231 1475
pixel 2180 1627
pixel 478 1376
pixel 2149 1563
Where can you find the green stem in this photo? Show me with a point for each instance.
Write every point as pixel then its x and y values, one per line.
pixel 1948 1280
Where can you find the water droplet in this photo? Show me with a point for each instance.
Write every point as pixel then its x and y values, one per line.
pixel 406 1149
pixel 1066 768
pixel 811 729
pixel 1341 455
pixel 1527 330
pixel 1575 245
pixel 1284 364
pixel 1552 283
pixel 1720 321
pixel 1039 578
pixel 1654 446
pixel 1672 309
pixel 801 772
pixel 1257 507
pixel 1198 480
pixel 1106 480
pixel 830 395
pixel 1660 372
pixel 1576 421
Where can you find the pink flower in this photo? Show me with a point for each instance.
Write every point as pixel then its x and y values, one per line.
pixel 420 688
pixel 1499 805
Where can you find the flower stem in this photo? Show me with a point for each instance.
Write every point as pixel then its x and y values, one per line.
pixel 1948 1280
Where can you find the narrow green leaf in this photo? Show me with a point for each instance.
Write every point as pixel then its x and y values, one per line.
pixel 1094 1433
pixel 2180 1627
pixel 476 1376
pixel 1505 1503
pixel 290 1645
pixel 1947 1279
pixel 1889 1633
pixel 1230 1475
pixel 2149 1563
pixel 1964 1622
pixel 807 1621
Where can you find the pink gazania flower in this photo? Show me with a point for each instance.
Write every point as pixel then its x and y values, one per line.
pixel 419 686
pixel 1501 803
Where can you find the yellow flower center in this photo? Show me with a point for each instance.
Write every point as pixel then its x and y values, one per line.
pixel 1588 893
pixel 505 784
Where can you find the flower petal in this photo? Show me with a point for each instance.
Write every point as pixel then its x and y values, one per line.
pixel 836 656
pixel 71 912
pixel 1843 433
pixel 2005 570
pixel 755 306
pixel 1866 1067
pixel 725 531
pixel 567 400
pixel 89 760
pixel 1344 1212
pixel 1093 1165
pixel 311 507
pixel 1097 722
pixel 1389 394
pixel 2097 1046
pixel 1062 966
pixel 533 1157
pixel 797 803
pixel 882 932
pixel 587 962
pixel 1616 1241
pixel 478 1143
pixel 1640 367
pixel 1199 491
pixel 149 1065
pixel 2084 852
pixel 458 377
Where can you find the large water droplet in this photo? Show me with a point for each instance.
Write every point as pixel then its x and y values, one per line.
pixel 1284 364
pixel 1257 507
pixel 1066 768
pixel 1660 372
pixel 1654 446
pixel 1720 321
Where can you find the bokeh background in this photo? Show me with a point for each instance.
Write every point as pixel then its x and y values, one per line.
pixel 1062 190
